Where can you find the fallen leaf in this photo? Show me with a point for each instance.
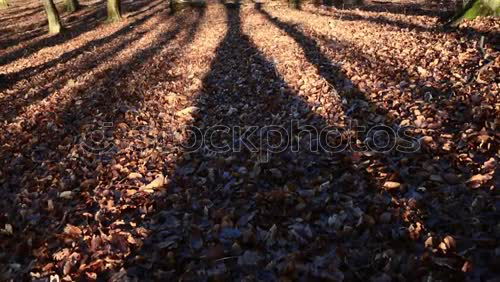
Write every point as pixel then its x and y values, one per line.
pixel 66 195
pixel 188 111
pixel 392 185
pixel 477 180
pixel 157 183
pixel 134 175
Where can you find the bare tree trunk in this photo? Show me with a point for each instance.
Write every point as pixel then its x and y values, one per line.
pixel 177 5
pixel 72 6
pixel 52 16
pixel 4 4
pixel 294 4
pixel 114 11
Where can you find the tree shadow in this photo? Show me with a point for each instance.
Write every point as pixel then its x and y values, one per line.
pixel 109 97
pixel 303 215
pixel 132 14
pixel 85 23
pixel 30 13
pixel 9 42
pixel 364 114
pixel 15 10
pixel 15 103
pixel 414 171
pixel 220 197
pixel 75 24
pixel 407 9
pixel 467 32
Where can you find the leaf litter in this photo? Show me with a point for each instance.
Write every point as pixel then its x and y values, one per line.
pixel 147 210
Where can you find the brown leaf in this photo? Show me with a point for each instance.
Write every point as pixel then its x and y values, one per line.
pixel 134 175
pixel 390 185
pixel 188 111
pixel 158 183
pixel 477 180
pixel 66 195
pixel 72 230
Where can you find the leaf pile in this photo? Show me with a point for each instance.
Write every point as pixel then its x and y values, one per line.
pixel 97 183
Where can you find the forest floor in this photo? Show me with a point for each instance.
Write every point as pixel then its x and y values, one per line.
pixel 98 180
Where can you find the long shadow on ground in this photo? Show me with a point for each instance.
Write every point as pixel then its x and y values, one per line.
pixel 237 211
pixel 13 103
pixel 90 18
pixel 467 32
pixel 405 9
pixel 46 154
pixel 414 171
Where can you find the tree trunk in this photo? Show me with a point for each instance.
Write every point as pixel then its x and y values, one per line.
pixel 4 4
pixel 72 5
pixel 177 5
pixel 294 4
pixel 477 8
pixel 52 16
pixel 114 11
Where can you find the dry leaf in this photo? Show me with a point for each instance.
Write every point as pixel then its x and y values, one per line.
pixel 477 180
pixel 66 195
pixel 157 183
pixel 134 175
pixel 391 185
pixel 188 111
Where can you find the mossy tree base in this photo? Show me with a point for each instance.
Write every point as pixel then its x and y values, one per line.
pixel 178 5
pixel 52 16
pixel 72 6
pixel 55 29
pixel 477 8
pixel 114 11
pixel 4 4
pixel 294 4
pixel 113 18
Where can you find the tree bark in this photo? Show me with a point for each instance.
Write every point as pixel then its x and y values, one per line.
pixel 114 11
pixel 177 5
pixel 477 8
pixel 4 4
pixel 295 4
pixel 52 16
pixel 72 6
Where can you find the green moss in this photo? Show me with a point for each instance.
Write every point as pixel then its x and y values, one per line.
pixel 52 16
pixel 72 6
pixel 114 11
pixel 4 4
pixel 176 5
pixel 477 8
pixel 295 4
